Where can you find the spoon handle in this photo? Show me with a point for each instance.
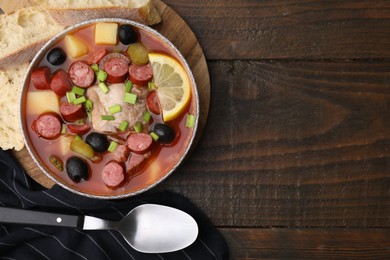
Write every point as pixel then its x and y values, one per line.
pixel 23 216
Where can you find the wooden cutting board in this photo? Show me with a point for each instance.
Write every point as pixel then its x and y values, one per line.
pixel 179 33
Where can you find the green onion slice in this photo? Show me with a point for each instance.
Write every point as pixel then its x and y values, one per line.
pixel 88 105
pixel 95 67
pixel 115 109
pixel 130 98
pixel 154 136
pixel 151 86
pixel 123 126
pixel 103 87
pixel 101 75
pixel 70 96
pixel 147 116
pixel 112 147
pixel 89 115
pixel 79 100
pixel 190 121
pixel 78 91
pixel 107 117
pixel 138 127
pixel 128 86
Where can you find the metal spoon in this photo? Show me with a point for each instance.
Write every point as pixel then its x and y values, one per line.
pixel 148 228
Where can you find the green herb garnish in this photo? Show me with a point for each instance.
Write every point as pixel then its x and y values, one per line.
pixel 78 91
pixel 130 98
pixel 103 87
pixel 112 147
pixel 107 117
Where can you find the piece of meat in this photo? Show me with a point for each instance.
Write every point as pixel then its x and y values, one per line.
pixel 121 153
pixel 136 161
pixel 48 126
pixel 41 78
pixel 71 112
pixel 132 113
pixel 118 55
pixel 97 56
pixel 116 69
pixel 79 129
pixel 81 74
pixel 153 103
pixel 139 142
pixel 115 65
pixel 60 83
pixel 113 174
pixel 140 75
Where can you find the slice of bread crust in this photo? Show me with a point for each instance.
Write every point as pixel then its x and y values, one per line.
pixel 66 12
pixel 23 33
pixel 11 81
pixel 8 6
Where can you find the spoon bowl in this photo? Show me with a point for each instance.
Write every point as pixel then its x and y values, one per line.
pixel 148 228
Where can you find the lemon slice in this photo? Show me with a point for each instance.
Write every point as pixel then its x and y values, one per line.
pixel 172 85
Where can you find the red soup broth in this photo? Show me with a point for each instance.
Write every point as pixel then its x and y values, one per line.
pixel 163 156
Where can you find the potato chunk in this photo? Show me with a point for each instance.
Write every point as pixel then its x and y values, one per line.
pixel 106 33
pixel 65 141
pixel 42 101
pixel 75 46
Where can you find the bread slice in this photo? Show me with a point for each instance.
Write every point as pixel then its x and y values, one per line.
pixel 23 33
pixel 11 81
pixel 69 12
pixel 8 6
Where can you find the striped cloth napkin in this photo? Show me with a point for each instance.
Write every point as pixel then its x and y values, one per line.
pixel 18 190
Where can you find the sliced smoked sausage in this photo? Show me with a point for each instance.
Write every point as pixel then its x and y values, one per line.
pixel 98 56
pixel 79 129
pixel 71 112
pixel 81 74
pixel 116 65
pixel 113 174
pixel 122 153
pixel 153 103
pixel 140 74
pixel 48 126
pixel 135 162
pixel 116 70
pixel 41 78
pixel 60 83
pixel 139 142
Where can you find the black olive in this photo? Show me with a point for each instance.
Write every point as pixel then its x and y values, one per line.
pixel 56 56
pixel 99 142
pixel 165 133
pixel 127 34
pixel 77 169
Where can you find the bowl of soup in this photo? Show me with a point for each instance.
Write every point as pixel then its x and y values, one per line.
pixel 109 108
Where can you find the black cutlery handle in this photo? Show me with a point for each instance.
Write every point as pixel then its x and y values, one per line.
pixel 23 216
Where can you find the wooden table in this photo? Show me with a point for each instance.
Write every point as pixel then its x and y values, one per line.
pixel 294 161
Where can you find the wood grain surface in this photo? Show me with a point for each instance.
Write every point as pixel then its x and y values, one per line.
pixel 298 129
pixel 312 144
pixel 294 144
pixel 294 161
pixel 281 243
pixel 289 29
